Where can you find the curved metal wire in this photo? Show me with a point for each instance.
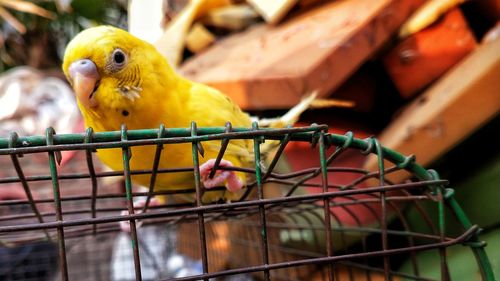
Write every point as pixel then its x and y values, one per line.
pixel 298 214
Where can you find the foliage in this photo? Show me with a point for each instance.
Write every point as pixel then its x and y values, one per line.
pixel 36 32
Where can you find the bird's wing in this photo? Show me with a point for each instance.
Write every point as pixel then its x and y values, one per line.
pixel 210 108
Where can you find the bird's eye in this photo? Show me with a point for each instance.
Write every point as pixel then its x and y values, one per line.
pixel 119 57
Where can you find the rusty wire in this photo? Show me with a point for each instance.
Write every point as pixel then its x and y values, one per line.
pixel 291 236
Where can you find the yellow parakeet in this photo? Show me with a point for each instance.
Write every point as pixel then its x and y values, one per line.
pixel 120 79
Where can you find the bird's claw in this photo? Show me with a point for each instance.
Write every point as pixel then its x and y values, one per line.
pixel 229 178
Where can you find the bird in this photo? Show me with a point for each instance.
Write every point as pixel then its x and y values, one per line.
pixel 120 79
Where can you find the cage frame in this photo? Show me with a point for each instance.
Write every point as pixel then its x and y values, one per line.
pixel 316 135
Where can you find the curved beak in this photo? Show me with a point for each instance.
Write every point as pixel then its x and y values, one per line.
pixel 85 80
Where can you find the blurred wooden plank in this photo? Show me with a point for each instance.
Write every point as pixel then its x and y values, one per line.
pixel 458 104
pixel 426 55
pixel 426 15
pixel 199 38
pixel 273 11
pixel 234 17
pixel 273 66
pixel 172 42
pixel 308 3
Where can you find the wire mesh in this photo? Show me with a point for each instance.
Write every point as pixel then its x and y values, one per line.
pixel 63 222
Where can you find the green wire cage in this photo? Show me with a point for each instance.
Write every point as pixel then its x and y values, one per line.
pixel 62 222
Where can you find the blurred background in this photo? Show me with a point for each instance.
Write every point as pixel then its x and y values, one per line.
pixel 422 76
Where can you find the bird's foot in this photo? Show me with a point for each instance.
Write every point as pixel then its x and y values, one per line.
pixel 229 178
pixel 125 225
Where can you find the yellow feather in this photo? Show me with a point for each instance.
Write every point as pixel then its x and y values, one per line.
pixel 160 96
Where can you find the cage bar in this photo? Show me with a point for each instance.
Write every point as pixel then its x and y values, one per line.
pixel 276 228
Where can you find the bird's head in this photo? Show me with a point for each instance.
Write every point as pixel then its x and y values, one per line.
pixel 109 69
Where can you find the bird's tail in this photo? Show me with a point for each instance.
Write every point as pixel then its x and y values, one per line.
pixel 291 117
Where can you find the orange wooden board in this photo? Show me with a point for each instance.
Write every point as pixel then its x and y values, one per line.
pixel 422 58
pixel 458 104
pixel 273 66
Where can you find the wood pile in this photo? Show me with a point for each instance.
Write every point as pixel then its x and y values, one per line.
pixel 268 54
pixel 422 75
